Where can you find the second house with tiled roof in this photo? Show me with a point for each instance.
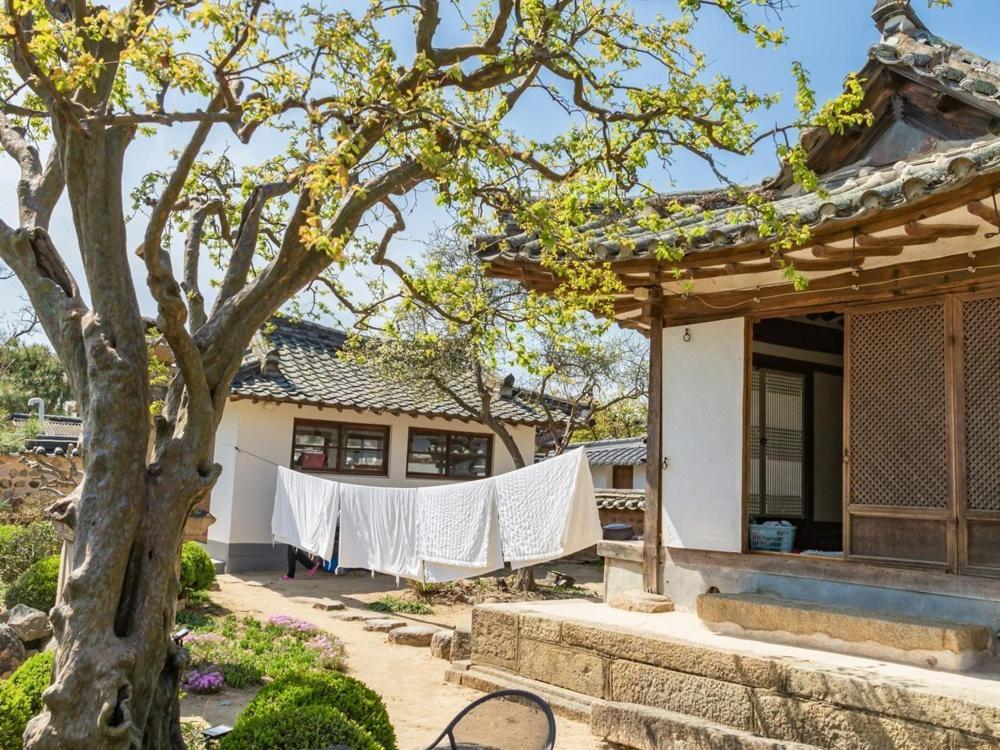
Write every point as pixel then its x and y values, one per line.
pixel 295 402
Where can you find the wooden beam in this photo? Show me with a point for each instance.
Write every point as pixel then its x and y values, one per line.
pixel 826 252
pixel 886 282
pixel 652 533
pixel 939 231
pixel 984 212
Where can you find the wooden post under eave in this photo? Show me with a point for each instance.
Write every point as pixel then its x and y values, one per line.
pixel 651 539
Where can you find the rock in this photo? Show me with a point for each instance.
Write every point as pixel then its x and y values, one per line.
pixel 383 624
pixel 441 644
pixel 11 651
pixel 642 601
pixel 560 579
pixel 461 643
pixel 30 624
pixel 413 635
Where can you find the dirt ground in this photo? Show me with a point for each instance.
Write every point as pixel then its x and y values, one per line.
pixel 410 680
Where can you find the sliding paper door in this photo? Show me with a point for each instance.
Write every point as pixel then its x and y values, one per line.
pixel 898 491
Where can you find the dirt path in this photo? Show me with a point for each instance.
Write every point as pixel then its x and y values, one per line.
pixel 410 680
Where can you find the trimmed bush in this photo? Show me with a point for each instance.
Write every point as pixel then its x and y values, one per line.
pixel 390 603
pixel 23 546
pixel 21 698
pixel 356 700
pixel 36 586
pixel 299 728
pixel 197 570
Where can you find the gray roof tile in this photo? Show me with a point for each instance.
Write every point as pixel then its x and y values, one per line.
pixel 302 367
pixel 621 452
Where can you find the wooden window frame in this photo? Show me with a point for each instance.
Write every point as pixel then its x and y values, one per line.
pixel 343 428
pixel 631 476
pixel 448 436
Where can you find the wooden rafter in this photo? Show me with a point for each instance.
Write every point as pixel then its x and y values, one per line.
pixel 939 231
pixel 984 212
pixel 825 252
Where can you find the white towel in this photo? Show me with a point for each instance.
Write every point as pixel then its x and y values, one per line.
pixel 547 510
pixel 378 530
pixel 454 522
pixel 305 512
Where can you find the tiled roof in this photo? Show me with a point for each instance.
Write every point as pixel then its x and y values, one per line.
pixel 621 499
pixel 621 452
pixel 714 221
pixel 301 366
pixel 60 433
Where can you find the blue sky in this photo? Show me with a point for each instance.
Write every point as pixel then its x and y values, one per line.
pixel 830 37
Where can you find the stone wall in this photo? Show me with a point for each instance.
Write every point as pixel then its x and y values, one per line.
pixel 29 482
pixel 781 700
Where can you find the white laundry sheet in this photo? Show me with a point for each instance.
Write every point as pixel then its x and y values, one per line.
pixel 454 523
pixel 305 512
pixel 547 510
pixel 378 530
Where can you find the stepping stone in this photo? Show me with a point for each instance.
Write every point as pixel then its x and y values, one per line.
pixel 413 635
pixel 643 601
pixel 327 605
pixel 384 624
pixel 354 615
pixel 441 644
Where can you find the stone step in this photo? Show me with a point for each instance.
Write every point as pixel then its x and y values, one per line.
pixel 564 703
pixel 644 728
pixel 934 644
pixel 218 566
pixel 642 601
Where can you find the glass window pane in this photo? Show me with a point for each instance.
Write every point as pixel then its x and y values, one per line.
pixel 427 454
pixel 364 450
pixel 469 455
pixel 315 447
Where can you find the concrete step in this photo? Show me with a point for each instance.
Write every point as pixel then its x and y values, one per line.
pixel 644 728
pixel 564 703
pixel 933 644
pixel 219 566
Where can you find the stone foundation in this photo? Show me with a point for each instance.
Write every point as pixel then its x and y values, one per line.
pixel 613 661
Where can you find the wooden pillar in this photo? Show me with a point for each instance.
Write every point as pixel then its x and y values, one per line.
pixel 652 535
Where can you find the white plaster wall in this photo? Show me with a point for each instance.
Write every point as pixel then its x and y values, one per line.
pixel 703 381
pixel 243 498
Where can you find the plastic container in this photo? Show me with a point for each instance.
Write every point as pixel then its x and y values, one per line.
pixel 771 538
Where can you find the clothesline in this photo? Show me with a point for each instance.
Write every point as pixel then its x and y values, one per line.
pixel 444 532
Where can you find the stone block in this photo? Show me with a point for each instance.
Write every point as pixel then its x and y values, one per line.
pixel 869 695
pixel 441 644
pixel 29 623
pixel 461 643
pixel 714 700
pixel 837 728
pixel 921 641
pixel 539 628
pixel 383 624
pixel 413 635
pixel 676 655
pixel 645 728
pixel 494 636
pixel 572 669
pixel 642 601
pixel 355 615
pixel 328 605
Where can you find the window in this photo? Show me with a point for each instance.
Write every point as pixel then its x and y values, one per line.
pixel 459 455
pixel 621 477
pixel 339 447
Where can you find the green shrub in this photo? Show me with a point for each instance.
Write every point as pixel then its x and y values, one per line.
pixel 23 546
pixel 389 603
pixel 300 728
pixel 356 700
pixel 197 570
pixel 21 698
pixel 36 586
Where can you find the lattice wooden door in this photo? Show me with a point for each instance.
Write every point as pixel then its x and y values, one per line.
pixel 979 435
pixel 898 490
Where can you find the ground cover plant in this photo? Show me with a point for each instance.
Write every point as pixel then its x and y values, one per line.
pixel 398 605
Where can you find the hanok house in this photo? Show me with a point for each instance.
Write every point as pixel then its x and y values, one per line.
pixel 823 466
pixel 295 402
